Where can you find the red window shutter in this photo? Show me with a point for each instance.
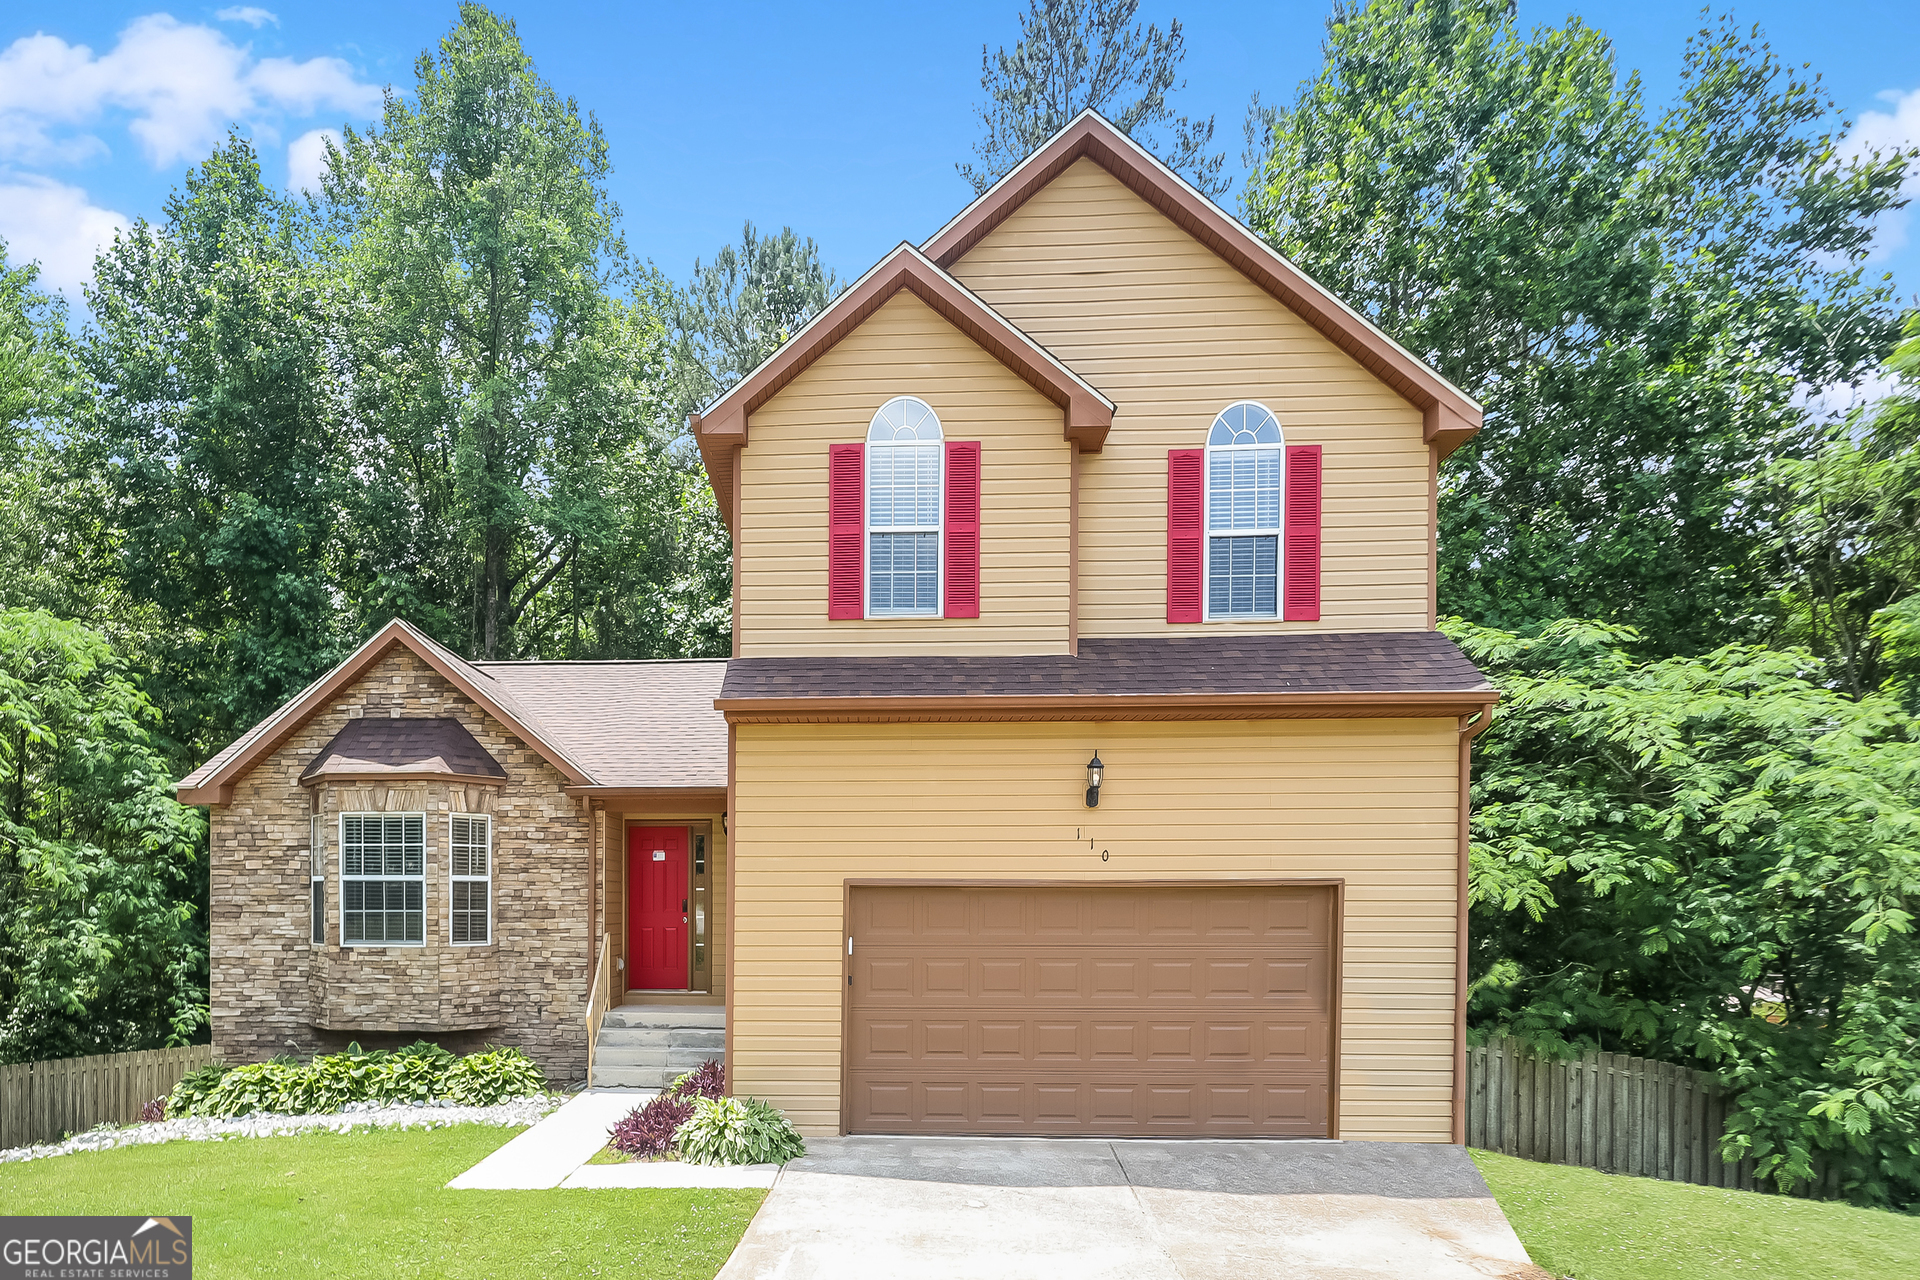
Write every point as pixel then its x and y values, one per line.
pixel 1301 590
pixel 846 530
pixel 963 529
pixel 1185 532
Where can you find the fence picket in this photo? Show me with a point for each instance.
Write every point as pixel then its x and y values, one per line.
pixel 45 1101
pixel 1607 1111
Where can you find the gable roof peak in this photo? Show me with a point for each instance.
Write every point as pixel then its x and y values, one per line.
pixel 213 782
pixel 1450 416
pixel 1086 412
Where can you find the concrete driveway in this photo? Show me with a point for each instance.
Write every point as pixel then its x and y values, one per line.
pixel 1053 1209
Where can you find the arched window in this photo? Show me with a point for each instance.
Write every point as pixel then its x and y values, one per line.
pixel 903 510
pixel 1244 484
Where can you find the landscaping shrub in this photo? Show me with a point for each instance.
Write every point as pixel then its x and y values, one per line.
pixel 649 1130
pixel 191 1092
pixel 738 1131
pixel 708 1080
pixel 421 1072
pixel 154 1111
pixel 493 1076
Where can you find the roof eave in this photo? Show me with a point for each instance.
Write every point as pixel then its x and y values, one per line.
pixel 1155 706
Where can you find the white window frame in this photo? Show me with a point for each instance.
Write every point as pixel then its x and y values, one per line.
pixel 1206 521
pixel 317 879
pixel 938 529
pixel 420 879
pixel 454 877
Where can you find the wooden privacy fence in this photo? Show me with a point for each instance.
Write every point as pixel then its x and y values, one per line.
pixel 45 1101
pixel 1606 1111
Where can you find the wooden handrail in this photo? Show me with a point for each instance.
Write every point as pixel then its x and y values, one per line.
pixel 599 997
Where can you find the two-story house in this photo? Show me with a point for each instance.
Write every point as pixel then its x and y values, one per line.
pixel 1088 762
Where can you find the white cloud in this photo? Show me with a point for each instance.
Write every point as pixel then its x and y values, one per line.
pixel 183 84
pixel 251 15
pixel 307 159
pixel 1883 131
pixel 55 225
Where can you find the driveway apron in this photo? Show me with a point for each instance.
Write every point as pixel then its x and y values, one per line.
pixel 1085 1209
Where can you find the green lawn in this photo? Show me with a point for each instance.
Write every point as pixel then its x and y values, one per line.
pixel 1596 1226
pixel 375 1204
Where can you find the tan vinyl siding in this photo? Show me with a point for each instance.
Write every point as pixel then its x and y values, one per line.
pixel 1173 335
pixel 1369 801
pixel 904 348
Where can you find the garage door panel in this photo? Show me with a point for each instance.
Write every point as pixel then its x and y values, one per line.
pixel 1014 1010
pixel 1144 1108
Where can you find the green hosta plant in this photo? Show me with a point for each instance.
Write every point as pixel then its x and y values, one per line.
pixel 483 1079
pixel 192 1091
pixel 279 1087
pixel 738 1131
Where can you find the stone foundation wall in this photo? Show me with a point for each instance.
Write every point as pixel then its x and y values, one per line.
pixel 274 991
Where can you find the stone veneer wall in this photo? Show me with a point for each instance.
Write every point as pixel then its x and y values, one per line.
pixel 273 991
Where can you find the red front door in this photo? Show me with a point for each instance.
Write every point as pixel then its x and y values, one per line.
pixel 657 908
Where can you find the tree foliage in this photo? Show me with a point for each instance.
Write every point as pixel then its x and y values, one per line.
pixel 739 309
pixel 213 428
pixel 102 946
pixel 1075 55
pixel 1713 859
pixel 1636 296
pixel 501 390
pixel 1843 536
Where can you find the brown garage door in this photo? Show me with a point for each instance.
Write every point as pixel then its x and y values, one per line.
pixel 1116 1011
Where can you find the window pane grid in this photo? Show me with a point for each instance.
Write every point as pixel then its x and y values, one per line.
pixel 905 464
pixel 904 572
pixel 1244 484
pixel 382 870
pixel 469 856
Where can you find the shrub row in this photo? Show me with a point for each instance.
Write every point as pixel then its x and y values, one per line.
pixel 421 1072
pixel 706 1127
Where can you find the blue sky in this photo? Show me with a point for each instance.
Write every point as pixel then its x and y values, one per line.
pixel 843 121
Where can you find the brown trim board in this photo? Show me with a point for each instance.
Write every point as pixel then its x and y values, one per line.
pixel 1470 728
pixel 1198 706
pixel 1086 413
pixel 1336 977
pixel 1449 417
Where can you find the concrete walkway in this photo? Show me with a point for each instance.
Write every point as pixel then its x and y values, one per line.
pixel 1055 1209
pixel 554 1153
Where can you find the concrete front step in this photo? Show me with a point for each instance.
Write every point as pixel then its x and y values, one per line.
pixel 714 1038
pixel 647 1046
pixel 667 1015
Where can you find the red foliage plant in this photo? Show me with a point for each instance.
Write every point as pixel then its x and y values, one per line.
pixel 649 1130
pixel 153 1111
pixel 708 1080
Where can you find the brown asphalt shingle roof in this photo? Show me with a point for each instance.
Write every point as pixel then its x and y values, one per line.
pixel 630 724
pixel 1315 663
pixel 403 744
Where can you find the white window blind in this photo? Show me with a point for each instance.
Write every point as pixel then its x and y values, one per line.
pixel 470 856
pixel 383 879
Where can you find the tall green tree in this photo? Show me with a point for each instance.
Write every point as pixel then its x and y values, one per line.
pixel 1635 296
pixel 501 392
pixel 1843 530
pixel 102 874
pixel 1073 55
pixel 213 426
pixel 737 310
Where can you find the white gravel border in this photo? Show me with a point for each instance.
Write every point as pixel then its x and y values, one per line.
pixel 517 1113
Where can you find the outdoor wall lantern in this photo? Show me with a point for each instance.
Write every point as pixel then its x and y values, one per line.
pixel 1093 781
